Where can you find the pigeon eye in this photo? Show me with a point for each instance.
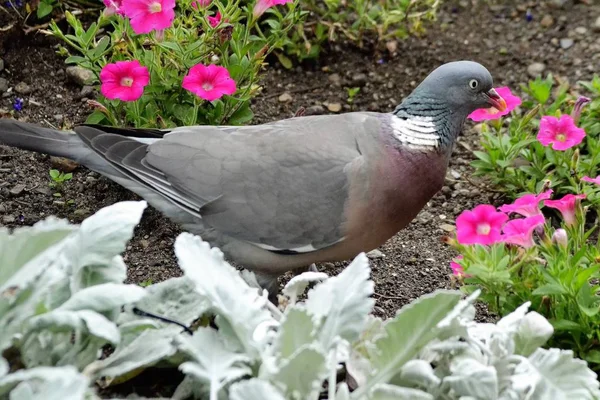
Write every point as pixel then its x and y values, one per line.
pixel 473 83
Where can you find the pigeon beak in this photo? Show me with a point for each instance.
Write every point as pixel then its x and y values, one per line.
pixel 496 100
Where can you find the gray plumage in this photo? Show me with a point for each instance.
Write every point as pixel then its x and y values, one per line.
pixel 283 195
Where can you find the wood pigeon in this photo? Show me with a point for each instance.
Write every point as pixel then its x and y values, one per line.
pixel 283 195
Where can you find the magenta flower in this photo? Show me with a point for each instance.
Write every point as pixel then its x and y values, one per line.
pixel 263 5
pixel 520 231
pixel 214 21
pixel 527 205
pixel 482 225
pixel 457 269
pixel 146 15
pixel 561 133
pixel 200 3
pixel 511 100
pixel 113 7
pixel 566 206
pixel 209 83
pixel 124 80
pixel 595 180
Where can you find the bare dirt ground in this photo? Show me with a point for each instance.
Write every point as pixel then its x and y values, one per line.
pixel 415 261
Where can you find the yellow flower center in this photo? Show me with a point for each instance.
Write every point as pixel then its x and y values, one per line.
pixel 207 86
pixel 155 7
pixel 483 229
pixel 127 81
pixel 561 137
pixel 493 110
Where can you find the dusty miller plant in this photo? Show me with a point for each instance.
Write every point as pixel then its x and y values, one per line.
pixel 62 300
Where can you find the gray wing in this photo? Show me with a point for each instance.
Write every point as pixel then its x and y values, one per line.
pixel 282 185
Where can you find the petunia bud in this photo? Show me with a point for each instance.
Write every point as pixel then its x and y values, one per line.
pixel 579 105
pixel 575 159
pixel 560 238
pixel 530 115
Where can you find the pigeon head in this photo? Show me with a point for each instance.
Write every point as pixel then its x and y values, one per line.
pixel 462 86
pixel 444 100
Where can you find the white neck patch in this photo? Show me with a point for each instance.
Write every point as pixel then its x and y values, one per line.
pixel 416 132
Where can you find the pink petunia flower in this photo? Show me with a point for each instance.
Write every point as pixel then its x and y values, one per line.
pixel 263 5
pixel 124 80
pixel 200 3
pixel 566 206
pixel 527 205
pixel 595 180
pixel 561 133
pixel 209 82
pixel 482 225
pixel 146 15
pixel 215 21
pixel 520 231
pixel 511 100
pixel 457 269
pixel 113 7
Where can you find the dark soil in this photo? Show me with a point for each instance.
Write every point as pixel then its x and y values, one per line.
pixel 415 261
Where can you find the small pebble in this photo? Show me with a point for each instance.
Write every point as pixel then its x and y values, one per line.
pixel 1 65
pixel 536 69
pixel 8 219
pixel 87 91
pixel 566 43
pixel 23 88
pixel 3 85
pixel 335 79
pixel 375 254
pixel 285 98
pixel 17 190
pixel 547 21
pixel 80 75
pixel 596 26
pixel 334 107
pixel 447 227
pixel 315 110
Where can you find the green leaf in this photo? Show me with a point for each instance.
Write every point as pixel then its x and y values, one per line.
pixel 242 115
pixel 296 330
pixel 97 117
pixel 47 383
pixel 212 361
pixel 75 60
pixel 566 325
pixel 549 289
pixel 85 321
pixel 240 310
pixel 302 373
pixel 587 301
pixel 254 389
pixel 592 356
pixel 557 375
pixel 286 62
pixel 54 174
pixel 43 9
pixel 103 298
pixel 342 303
pixel 146 349
pixel 410 330
pixel 391 392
